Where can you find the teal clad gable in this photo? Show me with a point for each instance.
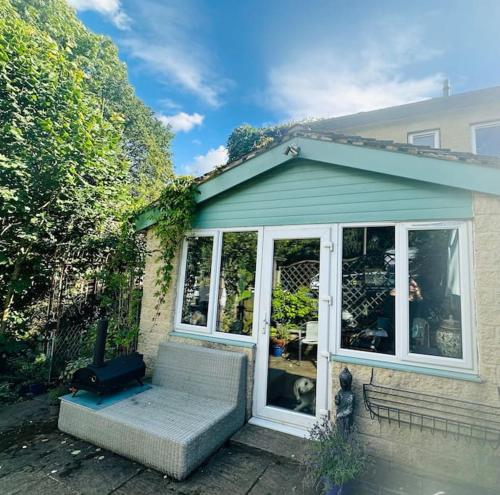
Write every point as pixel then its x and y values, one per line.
pixel 310 192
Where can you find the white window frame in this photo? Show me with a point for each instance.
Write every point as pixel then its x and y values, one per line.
pixel 211 328
pixel 480 125
pixel 402 342
pixel 435 133
pixel 179 325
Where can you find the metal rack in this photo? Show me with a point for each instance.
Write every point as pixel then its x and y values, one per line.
pixel 432 412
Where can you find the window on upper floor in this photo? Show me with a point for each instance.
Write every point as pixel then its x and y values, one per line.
pixel 486 138
pixel 425 138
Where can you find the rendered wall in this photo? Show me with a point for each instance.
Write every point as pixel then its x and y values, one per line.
pixel 454 125
pixel 433 454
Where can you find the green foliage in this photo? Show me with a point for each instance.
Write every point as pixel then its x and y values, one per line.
pixel 333 457
pixel 79 155
pixel 72 366
pixel 246 138
pixel 177 205
pixel 293 308
pixel 7 393
pixel 145 140
pixel 120 338
pixel 56 392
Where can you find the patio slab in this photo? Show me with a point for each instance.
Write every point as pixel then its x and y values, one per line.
pixel 281 445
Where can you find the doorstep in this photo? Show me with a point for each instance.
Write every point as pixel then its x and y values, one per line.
pixel 276 443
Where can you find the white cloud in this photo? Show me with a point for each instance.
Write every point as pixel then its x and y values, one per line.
pixel 326 82
pixel 108 8
pixel 169 46
pixel 182 121
pixel 204 163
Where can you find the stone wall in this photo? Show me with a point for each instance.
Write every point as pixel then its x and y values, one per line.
pixel 157 315
pixel 447 457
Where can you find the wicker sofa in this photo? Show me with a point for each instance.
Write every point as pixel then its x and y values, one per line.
pixel 196 403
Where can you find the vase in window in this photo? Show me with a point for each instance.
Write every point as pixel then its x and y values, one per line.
pixel 449 338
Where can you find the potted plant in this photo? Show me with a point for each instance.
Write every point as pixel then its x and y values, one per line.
pixel 334 458
pixel 54 394
pixel 279 338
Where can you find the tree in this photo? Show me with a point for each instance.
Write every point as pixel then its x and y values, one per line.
pixel 145 140
pixel 246 138
pixel 79 154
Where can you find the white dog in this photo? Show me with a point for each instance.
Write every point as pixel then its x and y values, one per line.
pixel 304 390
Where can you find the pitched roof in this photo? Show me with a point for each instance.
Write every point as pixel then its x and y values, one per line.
pixel 408 112
pixel 440 166
pixel 307 131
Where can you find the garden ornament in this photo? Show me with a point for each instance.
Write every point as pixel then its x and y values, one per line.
pixel 344 400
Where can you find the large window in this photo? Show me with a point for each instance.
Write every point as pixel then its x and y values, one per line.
pixel 218 283
pixel 405 294
pixel 486 138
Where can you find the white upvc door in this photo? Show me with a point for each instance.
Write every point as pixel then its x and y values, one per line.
pixel 307 358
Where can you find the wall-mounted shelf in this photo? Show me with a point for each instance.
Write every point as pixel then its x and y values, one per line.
pixel 433 412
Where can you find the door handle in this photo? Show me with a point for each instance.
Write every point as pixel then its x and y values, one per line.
pixel 266 323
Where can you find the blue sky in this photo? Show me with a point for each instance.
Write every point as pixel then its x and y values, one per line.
pixel 206 67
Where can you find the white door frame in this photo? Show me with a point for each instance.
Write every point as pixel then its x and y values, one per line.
pixel 275 417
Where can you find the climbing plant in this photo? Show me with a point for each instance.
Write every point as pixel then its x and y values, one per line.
pixel 176 207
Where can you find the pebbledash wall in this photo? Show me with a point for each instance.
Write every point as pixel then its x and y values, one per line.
pixel 431 454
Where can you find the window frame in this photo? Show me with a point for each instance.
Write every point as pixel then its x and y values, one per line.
pixel 186 327
pixel 468 362
pixel 436 133
pixel 481 125
pixel 211 328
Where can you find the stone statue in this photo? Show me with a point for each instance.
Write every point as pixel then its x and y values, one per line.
pixel 344 400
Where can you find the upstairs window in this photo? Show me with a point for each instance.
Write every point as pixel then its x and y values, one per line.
pixel 486 138
pixel 425 138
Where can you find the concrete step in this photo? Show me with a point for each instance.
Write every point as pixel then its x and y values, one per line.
pixel 282 445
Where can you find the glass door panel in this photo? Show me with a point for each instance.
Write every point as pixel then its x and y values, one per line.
pixel 293 326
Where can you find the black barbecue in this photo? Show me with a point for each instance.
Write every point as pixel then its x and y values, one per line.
pixel 105 377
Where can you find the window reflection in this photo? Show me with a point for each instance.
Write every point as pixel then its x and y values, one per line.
pixel 434 296
pixel 237 283
pixel 197 281
pixel 368 289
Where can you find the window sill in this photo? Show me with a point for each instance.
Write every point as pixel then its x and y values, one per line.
pixel 453 375
pixel 211 338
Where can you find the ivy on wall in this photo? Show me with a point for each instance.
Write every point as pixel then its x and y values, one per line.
pixel 177 205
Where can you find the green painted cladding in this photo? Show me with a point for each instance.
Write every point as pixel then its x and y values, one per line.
pixel 309 192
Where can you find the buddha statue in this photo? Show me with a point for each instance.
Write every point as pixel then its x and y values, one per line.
pixel 344 400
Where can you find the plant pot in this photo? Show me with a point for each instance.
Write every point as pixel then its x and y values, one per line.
pixel 277 350
pixel 32 389
pixel 54 409
pixel 345 489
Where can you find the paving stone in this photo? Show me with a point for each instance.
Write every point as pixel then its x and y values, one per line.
pixel 282 478
pixel 97 473
pixel 230 471
pixel 23 483
pixel 25 419
pixel 147 482
pixel 273 442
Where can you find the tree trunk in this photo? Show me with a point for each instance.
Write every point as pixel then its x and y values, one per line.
pixel 9 298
